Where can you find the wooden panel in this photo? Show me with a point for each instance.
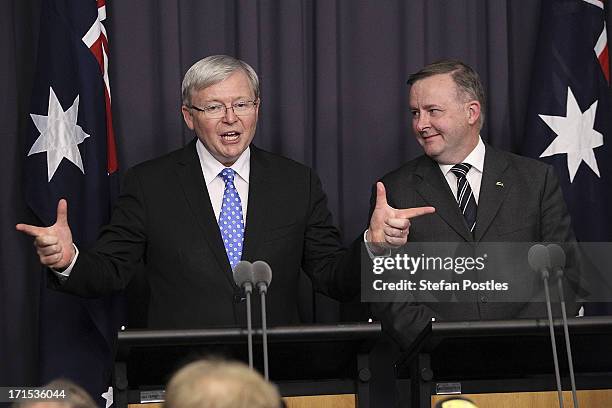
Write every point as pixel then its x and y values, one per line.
pixel 586 399
pixel 321 401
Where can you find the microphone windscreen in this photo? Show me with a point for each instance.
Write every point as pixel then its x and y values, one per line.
pixel 243 273
pixel 557 256
pixel 538 257
pixel 262 273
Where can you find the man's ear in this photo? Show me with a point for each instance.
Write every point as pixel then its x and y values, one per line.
pixel 473 112
pixel 187 117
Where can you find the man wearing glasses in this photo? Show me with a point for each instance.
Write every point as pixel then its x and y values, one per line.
pixel 192 215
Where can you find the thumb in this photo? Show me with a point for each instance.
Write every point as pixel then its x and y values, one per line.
pixel 62 213
pixel 381 195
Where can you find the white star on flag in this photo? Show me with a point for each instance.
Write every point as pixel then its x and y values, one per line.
pixel 108 397
pixel 59 135
pixel 575 136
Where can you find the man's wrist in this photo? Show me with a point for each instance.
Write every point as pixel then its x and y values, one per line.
pixel 375 249
pixel 65 272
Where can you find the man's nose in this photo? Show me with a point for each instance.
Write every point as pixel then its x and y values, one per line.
pixel 230 116
pixel 421 122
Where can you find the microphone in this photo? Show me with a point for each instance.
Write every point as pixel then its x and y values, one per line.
pixel 539 260
pixel 243 276
pixel 557 258
pixel 262 276
pixel 557 262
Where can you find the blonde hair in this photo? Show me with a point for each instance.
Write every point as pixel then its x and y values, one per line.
pixel 220 384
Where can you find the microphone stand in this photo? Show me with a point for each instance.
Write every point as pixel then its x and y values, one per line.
pixel 545 275
pixel 264 329
pixel 568 346
pixel 243 277
pixel 248 288
pixel 557 261
pixel 262 276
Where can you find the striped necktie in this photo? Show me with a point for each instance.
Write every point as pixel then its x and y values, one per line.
pixel 465 196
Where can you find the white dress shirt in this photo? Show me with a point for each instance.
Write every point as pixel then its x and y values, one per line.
pixel 215 184
pixel 474 175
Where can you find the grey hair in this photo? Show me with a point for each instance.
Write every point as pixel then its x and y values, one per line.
pixel 220 384
pixel 467 80
pixel 212 70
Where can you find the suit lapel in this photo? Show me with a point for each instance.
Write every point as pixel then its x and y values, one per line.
pixel 435 191
pixel 261 202
pixel 494 187
pixel 192 180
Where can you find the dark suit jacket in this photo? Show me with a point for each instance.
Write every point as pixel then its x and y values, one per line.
pixel 529 207
pixel 165 220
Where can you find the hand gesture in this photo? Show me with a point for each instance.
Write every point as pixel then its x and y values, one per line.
pixel 53 244
pixel 389 227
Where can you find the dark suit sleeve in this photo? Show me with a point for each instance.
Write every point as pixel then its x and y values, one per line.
pixel 555 222
pixel 111 263
pixel 402 321
pixel 333 269
pixel 557 228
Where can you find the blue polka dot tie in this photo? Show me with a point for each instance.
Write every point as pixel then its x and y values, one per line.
pixel 230 219
pixel 465 196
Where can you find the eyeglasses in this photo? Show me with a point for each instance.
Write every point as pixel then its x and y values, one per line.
pixel 218 110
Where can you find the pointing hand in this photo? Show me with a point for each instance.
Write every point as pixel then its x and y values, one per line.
pixel 53 244
pixel 389 227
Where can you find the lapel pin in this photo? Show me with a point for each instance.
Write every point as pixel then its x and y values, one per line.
pixel 500 184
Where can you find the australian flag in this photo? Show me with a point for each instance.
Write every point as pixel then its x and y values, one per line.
pixel 72 155
pixel 569 120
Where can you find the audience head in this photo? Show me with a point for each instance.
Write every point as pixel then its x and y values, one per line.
pixel 220 384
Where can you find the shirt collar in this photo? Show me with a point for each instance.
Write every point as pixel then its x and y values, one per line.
pixel 475 158
pixel 211 167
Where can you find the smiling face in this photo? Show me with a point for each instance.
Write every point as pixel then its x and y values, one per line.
pixel 225 138
pixel 444 120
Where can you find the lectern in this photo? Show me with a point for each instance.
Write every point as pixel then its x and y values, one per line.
pixel 303 360
pixel 504 356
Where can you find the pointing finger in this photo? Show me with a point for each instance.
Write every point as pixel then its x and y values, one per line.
pixel 31 230
pixel 414 212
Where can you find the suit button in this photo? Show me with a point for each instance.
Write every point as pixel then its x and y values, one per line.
pixel 483 298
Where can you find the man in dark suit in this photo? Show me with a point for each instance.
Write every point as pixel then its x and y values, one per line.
pixel 191 215
pixel 480 194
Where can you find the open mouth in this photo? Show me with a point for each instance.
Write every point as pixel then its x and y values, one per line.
pixel 230 136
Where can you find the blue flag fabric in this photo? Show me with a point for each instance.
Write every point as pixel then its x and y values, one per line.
pixel 71 154
pixel 569 117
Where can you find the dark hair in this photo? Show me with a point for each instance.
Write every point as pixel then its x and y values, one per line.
pixel 466 79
